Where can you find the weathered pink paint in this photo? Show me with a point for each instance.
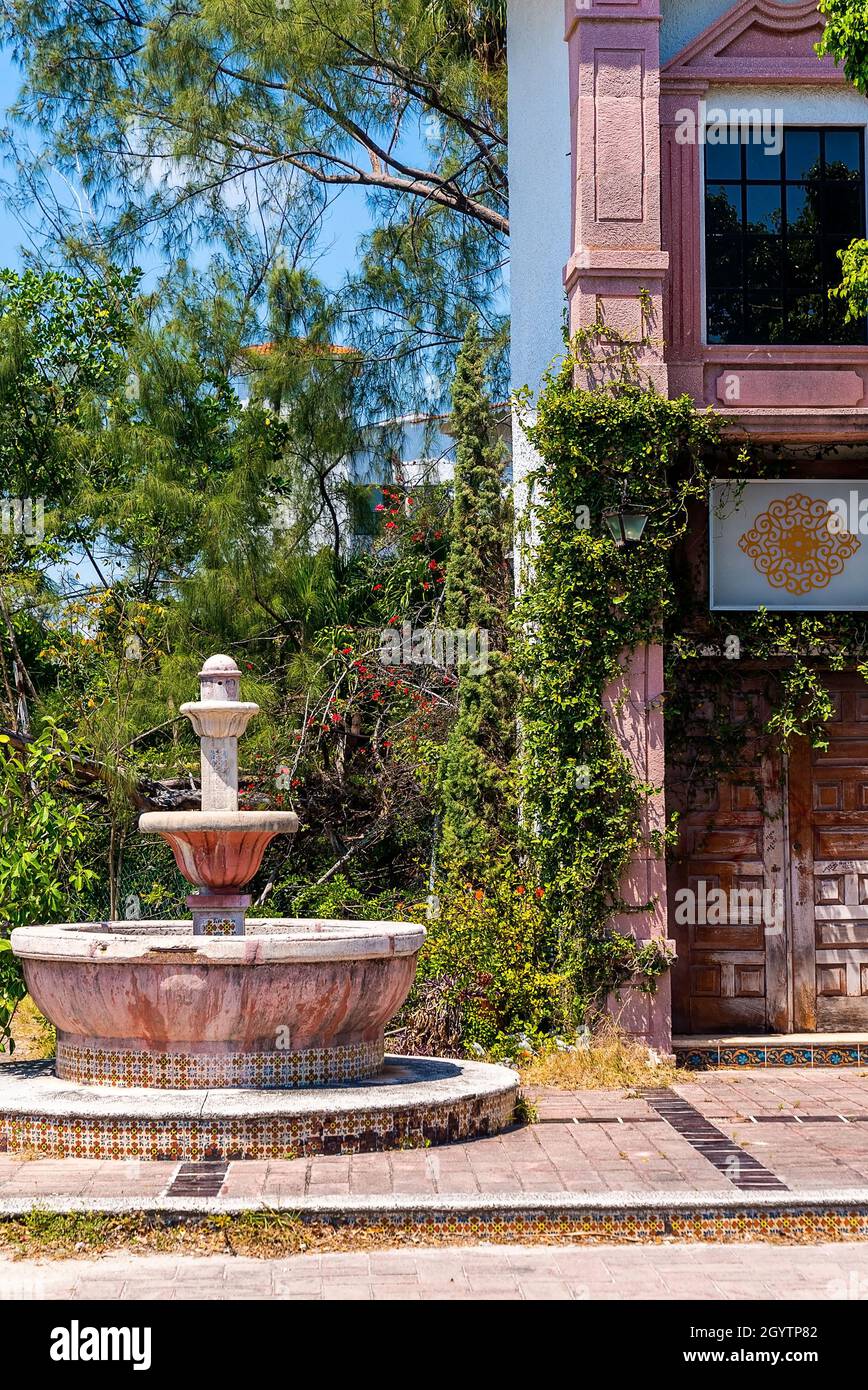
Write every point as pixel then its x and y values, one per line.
pixel 220 850
pixel 617 260
pixel 759 42
pixel 615 276
pixel 634 705
pixel 155 987
pixel 792 387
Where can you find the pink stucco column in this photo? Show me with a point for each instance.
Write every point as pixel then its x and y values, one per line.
pixel 634 704
pixel 615 276
pixel 681 203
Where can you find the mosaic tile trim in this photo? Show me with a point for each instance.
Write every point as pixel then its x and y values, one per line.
pixel 614 1225
pixel 180 1071
pixel 708 1058
pixel 201 1137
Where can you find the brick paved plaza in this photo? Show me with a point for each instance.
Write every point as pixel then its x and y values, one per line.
pixel 708 1272
pixel 714 1136
pixel 808 1128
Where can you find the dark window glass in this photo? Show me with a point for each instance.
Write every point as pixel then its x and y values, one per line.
pixel 723 209
pixel 763 208
pixel 723 260
pixel 774 224
pixel 802 153
pixel 724 316
pixel 762 262
pixel 843 154
pixel 762 161
pixel 801 259
pixel 722 162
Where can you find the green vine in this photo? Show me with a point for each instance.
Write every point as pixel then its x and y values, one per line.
pixel 588 602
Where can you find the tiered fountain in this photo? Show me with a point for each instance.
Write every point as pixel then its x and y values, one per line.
pixel 231 1036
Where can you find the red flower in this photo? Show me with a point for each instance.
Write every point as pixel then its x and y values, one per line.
pixel 390 525
pixel 379 507
pixel 376 587
pixel 540 892
pixel 520 889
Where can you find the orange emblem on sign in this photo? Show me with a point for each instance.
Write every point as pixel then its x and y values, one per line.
pixel 793 546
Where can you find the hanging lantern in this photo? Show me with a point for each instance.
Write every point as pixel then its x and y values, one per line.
pixel 626 524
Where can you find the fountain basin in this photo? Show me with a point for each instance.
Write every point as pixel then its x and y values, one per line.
pixel 218 850
pixel 294 1003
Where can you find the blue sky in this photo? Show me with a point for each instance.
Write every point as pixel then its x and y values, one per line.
pixel 346 222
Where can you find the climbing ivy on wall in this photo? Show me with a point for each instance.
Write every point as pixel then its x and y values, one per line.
pixel 586 602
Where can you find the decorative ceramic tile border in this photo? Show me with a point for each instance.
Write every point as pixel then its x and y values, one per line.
pixel 827 1055
pixel 794 1223
pixel 95 1065
pixel 269 1136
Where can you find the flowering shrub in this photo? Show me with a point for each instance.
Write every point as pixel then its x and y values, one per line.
pixel 483 979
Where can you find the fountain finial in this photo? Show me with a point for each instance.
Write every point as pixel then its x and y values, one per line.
pixel 219 679
pixel 219 718
pixel 219 848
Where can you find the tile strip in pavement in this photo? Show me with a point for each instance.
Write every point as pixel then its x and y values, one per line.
pixel 741 1168
pixel 204 1179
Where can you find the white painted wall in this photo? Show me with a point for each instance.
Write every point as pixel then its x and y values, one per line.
pixel 539 184
pixel 540 207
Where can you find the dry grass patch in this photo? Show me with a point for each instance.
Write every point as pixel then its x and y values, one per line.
pixel 34 1037
pixel 41 1235
pixel 611 1062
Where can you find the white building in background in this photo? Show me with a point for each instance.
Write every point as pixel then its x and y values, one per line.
pixel 540 197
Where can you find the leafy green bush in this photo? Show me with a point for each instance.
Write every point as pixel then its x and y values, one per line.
pixel 42 838
pixel 483 976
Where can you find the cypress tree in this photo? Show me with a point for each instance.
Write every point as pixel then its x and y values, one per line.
pixel 476 781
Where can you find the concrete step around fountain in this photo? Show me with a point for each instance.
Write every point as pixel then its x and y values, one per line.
pixel 413 1102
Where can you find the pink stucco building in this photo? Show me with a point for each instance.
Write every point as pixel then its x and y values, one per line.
pixel 631 198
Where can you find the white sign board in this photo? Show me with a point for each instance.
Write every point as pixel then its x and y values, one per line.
pixel 794 543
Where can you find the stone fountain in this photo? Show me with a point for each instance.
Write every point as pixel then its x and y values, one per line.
pixel 231 1036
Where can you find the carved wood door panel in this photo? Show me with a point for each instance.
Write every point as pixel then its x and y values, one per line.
pixel 803 968
pixel 731 974
pixel 828 805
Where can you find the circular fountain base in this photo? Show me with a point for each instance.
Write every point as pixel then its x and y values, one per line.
pixel 293 1003
pixel 413 1101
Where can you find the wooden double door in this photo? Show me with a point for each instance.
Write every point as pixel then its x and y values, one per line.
pixel 768 896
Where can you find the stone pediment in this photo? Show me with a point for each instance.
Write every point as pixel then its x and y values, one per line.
pixel 758 41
